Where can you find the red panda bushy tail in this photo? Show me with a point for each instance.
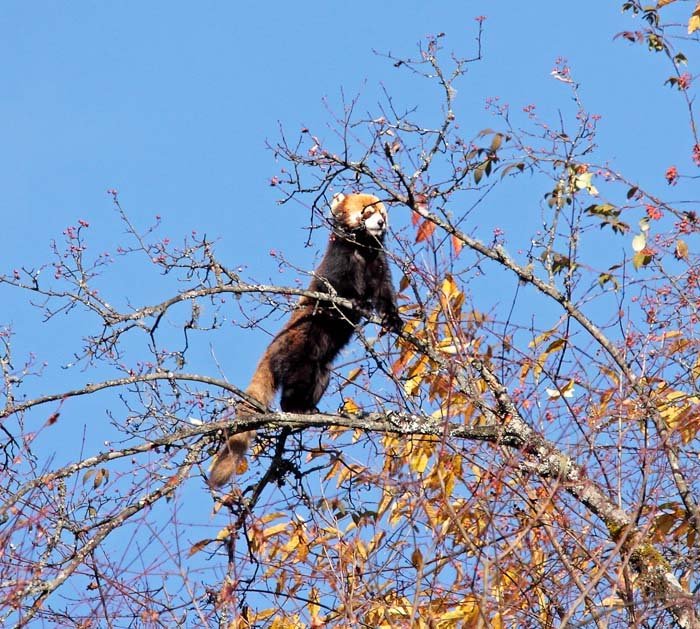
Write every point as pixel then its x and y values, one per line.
pixel 262 387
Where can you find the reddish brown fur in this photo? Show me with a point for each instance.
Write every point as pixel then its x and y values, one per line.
pixel 298 360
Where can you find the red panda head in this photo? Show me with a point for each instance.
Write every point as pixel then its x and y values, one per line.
pixel 355 212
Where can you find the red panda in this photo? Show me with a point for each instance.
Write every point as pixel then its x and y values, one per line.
pixel 298 360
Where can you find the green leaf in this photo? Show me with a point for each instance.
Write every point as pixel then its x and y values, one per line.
pixel 560 263
pixel 640 259
pixel 602 209
pixel 655 43
pixel 604 278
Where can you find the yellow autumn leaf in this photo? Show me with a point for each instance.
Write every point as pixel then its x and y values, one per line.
pixel 271 531
pixel 674 395
pixel 419 461
pixel 376 541
pixel 395 610
pixel 314 607
pixel 447 346
pixel 416 376
pixel 224 533
pixel 449 288
pixel 411 325
pixel 640 259
pixel 555 346
pixel 431 512
pixel 387 499
pixel 466 611
pixel 540 338
pixel 268 517
pixel 613 601
pixel 612 375
pixel 264 613
pixel 101 475
pixel 285 623
pixel 350 406
pixel 360 548
pixel 449 483
pixel 525 369
pixel 195 548
pixel 352 376
pixel 681 252
pixel 335 431
pixel 566 391
pixel 344 472
pixel 694 21
pixel 396 515
pixel 292 544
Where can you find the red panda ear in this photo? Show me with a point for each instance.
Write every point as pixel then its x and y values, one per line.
pixel 336 202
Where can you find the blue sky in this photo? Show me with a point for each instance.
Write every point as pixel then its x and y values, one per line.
pixel 172 103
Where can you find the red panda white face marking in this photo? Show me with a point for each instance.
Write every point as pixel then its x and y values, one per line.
pixel 355 211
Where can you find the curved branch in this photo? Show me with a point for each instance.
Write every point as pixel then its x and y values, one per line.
pixel 120 382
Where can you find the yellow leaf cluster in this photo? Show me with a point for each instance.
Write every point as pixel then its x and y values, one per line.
pixel 399 611
pixel 680 411
pixel 293 622
pixel 415 376
pixel 419 460
pixel 442 322
pixel 451 298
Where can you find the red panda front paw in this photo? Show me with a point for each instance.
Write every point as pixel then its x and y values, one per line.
pixel 393 322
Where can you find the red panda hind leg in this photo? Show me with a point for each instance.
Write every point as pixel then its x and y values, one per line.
pixel 303 388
